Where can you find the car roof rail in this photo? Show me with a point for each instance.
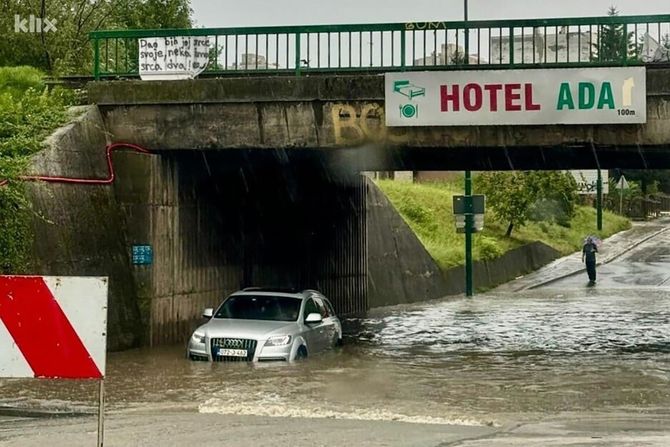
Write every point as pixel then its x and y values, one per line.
pixel 271 289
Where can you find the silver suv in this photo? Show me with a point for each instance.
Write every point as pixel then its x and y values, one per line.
pixel 257 324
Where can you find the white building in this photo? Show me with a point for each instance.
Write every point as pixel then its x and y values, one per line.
pixel 538 48
pixel 251 61
pixel 450 54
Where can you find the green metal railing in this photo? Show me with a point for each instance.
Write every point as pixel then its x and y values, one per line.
pixel 589 41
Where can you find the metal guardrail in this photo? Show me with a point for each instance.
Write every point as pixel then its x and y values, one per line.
pixel 587 41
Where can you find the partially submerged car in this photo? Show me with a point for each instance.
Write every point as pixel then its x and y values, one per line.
pixel 260 324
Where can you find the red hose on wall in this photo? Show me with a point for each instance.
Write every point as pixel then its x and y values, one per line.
pixel 110 179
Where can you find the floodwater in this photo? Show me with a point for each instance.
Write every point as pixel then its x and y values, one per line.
pixel 479 361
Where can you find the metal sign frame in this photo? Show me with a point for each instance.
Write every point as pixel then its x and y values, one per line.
pixel 66 315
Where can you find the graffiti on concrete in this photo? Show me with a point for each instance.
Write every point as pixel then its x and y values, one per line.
pixel 361 123
pixel 425 25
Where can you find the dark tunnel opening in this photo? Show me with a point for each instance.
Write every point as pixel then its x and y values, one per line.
pixel 278 219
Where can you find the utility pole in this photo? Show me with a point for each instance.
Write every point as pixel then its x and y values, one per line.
pixel 599 201
pixel 371 46
pixel 621 185
pixel 469 217
pixel 468 191
pixel 466 45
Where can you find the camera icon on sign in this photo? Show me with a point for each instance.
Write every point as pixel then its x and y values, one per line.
pixel 409 111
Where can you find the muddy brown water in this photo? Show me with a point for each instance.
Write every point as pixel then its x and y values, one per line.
pixel 472 361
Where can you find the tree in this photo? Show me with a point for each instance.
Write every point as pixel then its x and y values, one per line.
pixel 613 43
pixel 152 14
pixel 457 58
pixel 516 196
pixel 557 196
pixel 509 196
pixel 67 49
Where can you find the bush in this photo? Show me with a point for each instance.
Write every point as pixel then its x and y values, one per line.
pixel 488 248
pixel 28 114
pixel 15 235
pixel 16 80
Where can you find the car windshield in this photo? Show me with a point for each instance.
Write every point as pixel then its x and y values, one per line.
pixel 260 307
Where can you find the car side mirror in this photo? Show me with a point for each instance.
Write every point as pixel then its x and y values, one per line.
pixel 313 318
pixel 208 313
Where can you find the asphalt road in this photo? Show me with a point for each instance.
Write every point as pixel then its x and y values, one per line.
pixel 190 429
pixel 645 265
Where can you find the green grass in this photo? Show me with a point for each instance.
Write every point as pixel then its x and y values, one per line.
pixel 28 114
pixel 427 209
pixel 16 80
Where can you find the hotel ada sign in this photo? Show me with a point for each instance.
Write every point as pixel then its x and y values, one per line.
pixel 514 97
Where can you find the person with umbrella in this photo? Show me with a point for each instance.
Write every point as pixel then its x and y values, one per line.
pixel 589 251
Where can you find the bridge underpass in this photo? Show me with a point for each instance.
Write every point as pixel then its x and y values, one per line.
pixel 223 220
pixel 268 172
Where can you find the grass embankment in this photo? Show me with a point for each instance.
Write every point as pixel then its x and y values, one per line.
pixel 28 114
pixel 427 208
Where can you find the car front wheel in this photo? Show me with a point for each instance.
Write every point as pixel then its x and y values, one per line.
pixel 301 354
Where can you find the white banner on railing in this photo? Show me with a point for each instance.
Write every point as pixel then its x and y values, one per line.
pixel 614 95
pixel 176 57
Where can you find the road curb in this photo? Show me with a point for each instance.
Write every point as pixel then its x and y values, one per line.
pixel 36 413
pixel 606 261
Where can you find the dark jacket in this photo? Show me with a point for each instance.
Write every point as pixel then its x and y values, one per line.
pixel 589 252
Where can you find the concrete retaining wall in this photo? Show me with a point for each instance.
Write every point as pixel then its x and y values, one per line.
pixel 193 265
pixel 514 263
pixel 79 229
pixel 400 270
pixel 90 229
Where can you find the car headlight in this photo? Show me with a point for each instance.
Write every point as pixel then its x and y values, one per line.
pixel 280 340
pixel 198 337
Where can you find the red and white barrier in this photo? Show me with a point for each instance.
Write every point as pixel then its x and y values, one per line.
pixel 53 326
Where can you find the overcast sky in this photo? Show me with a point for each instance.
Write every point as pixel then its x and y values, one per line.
pixel 224 13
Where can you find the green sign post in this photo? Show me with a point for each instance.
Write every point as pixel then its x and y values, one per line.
pixel 468 233
pixel 469 215
pixel 599 201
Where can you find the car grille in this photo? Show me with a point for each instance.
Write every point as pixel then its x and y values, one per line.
pixel 233 343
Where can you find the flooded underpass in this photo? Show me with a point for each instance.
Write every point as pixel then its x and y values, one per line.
pixel 560 364
pixel 482 361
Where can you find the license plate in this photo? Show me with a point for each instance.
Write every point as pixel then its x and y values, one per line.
pixel 232 352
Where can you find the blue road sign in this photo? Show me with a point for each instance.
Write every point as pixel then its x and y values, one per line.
pixel 142 255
